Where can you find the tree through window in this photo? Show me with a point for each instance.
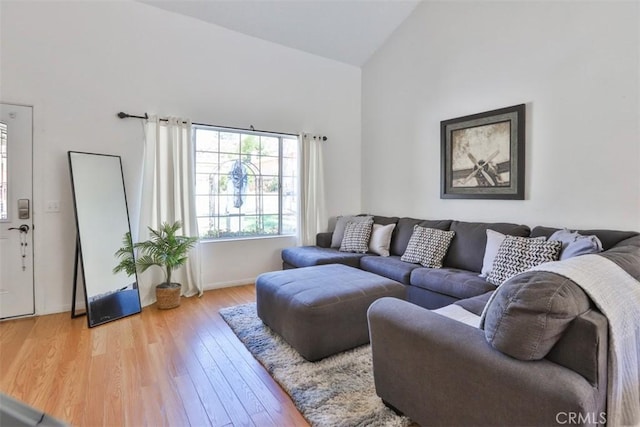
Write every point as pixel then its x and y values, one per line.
pixel 246 183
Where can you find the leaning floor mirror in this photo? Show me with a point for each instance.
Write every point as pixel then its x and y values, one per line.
pixel 104 253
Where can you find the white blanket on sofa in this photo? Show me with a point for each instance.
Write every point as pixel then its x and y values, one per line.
pixel 458 313
pixel 617 294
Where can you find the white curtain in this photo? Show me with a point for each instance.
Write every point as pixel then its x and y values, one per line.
pixel 168 196
pixel 313 217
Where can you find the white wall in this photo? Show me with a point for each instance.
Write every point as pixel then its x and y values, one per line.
pixel 79 63
pixel 574 64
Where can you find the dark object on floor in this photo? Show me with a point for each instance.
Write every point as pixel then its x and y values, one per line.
pixel 14 413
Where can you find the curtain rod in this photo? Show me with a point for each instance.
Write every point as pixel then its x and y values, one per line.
pixel 252 129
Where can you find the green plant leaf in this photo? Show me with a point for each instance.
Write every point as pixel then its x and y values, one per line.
pixel 164 249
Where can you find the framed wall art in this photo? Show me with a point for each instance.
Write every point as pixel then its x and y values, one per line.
pixel 482 155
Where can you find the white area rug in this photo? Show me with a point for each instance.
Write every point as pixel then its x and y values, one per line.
pixel 336 391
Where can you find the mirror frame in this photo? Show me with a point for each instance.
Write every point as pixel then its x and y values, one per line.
pixel 120 300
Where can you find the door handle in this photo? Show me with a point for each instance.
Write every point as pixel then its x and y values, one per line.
pixel 24 228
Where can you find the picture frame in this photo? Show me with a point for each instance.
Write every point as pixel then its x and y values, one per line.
pixel 483 155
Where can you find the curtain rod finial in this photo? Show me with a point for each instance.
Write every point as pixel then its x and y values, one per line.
pixel 122 115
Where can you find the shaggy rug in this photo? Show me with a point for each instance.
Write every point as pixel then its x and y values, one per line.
pixel 336 391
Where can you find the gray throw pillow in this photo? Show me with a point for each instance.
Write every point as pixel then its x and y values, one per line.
pixel 574 244
pixel 341 223
pixel 529 313
pixel 356 236
pixel 518 254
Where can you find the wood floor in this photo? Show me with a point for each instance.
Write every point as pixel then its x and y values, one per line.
pixel 177 367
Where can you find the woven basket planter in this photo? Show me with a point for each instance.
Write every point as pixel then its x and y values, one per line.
pixel 168 295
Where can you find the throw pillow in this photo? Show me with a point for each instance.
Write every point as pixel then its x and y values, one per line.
pixel 528 314
pixel 356 237
pixel 381 239
pixel 518 254
pixel 341 223
pixel 427 246
pixel 574 244
pixel 494 240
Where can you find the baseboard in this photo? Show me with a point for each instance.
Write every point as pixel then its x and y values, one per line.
pixel 59 309
pixel 208 287
pixel 219 285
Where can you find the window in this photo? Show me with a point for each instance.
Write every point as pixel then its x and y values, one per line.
pixel 4 182
pixel 246 183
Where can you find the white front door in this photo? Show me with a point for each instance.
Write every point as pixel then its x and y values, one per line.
pixel 16 211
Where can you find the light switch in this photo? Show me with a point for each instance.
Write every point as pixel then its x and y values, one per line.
pixel 52 206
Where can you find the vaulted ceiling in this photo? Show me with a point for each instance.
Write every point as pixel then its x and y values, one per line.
pixel 348 31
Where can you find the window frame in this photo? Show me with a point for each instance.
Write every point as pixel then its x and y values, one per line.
pixel 280 193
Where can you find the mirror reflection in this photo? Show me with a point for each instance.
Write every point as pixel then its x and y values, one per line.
pixel 102 221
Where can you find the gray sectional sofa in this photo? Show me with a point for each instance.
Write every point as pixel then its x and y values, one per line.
pixel 540 359
pixel 427 287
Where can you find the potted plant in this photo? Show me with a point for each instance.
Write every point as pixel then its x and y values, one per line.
pixel 168 251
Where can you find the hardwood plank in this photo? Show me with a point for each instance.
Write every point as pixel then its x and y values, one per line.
pixel 53 352
pixel 232 403
pixel 285 412
pixel 93 414
pixel 205 390
pixel 242 362
pixel 11 337
pixel 73 378
pixel 172 409
pixel 191 402
pixel 153 406
pixel 113 385
pixel 131 386
pixel 176 367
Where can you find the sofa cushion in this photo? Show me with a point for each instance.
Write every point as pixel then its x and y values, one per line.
pixel 467 248
pixel 390 267
pixel 574 243
pixel 306 256
pixel 450 281
pixel 626 255
pixel 381 239
pixel 427 246
pixel 356 236
pixel 341 223
pixel 475 304
pixel 518 254
pixel 324 239
pixel 529 313
pixel 404 230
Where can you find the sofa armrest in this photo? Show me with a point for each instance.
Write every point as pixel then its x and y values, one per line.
pixel 323 240
pixel 439 371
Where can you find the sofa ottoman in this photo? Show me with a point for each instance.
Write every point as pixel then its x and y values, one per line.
pixel 321 310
